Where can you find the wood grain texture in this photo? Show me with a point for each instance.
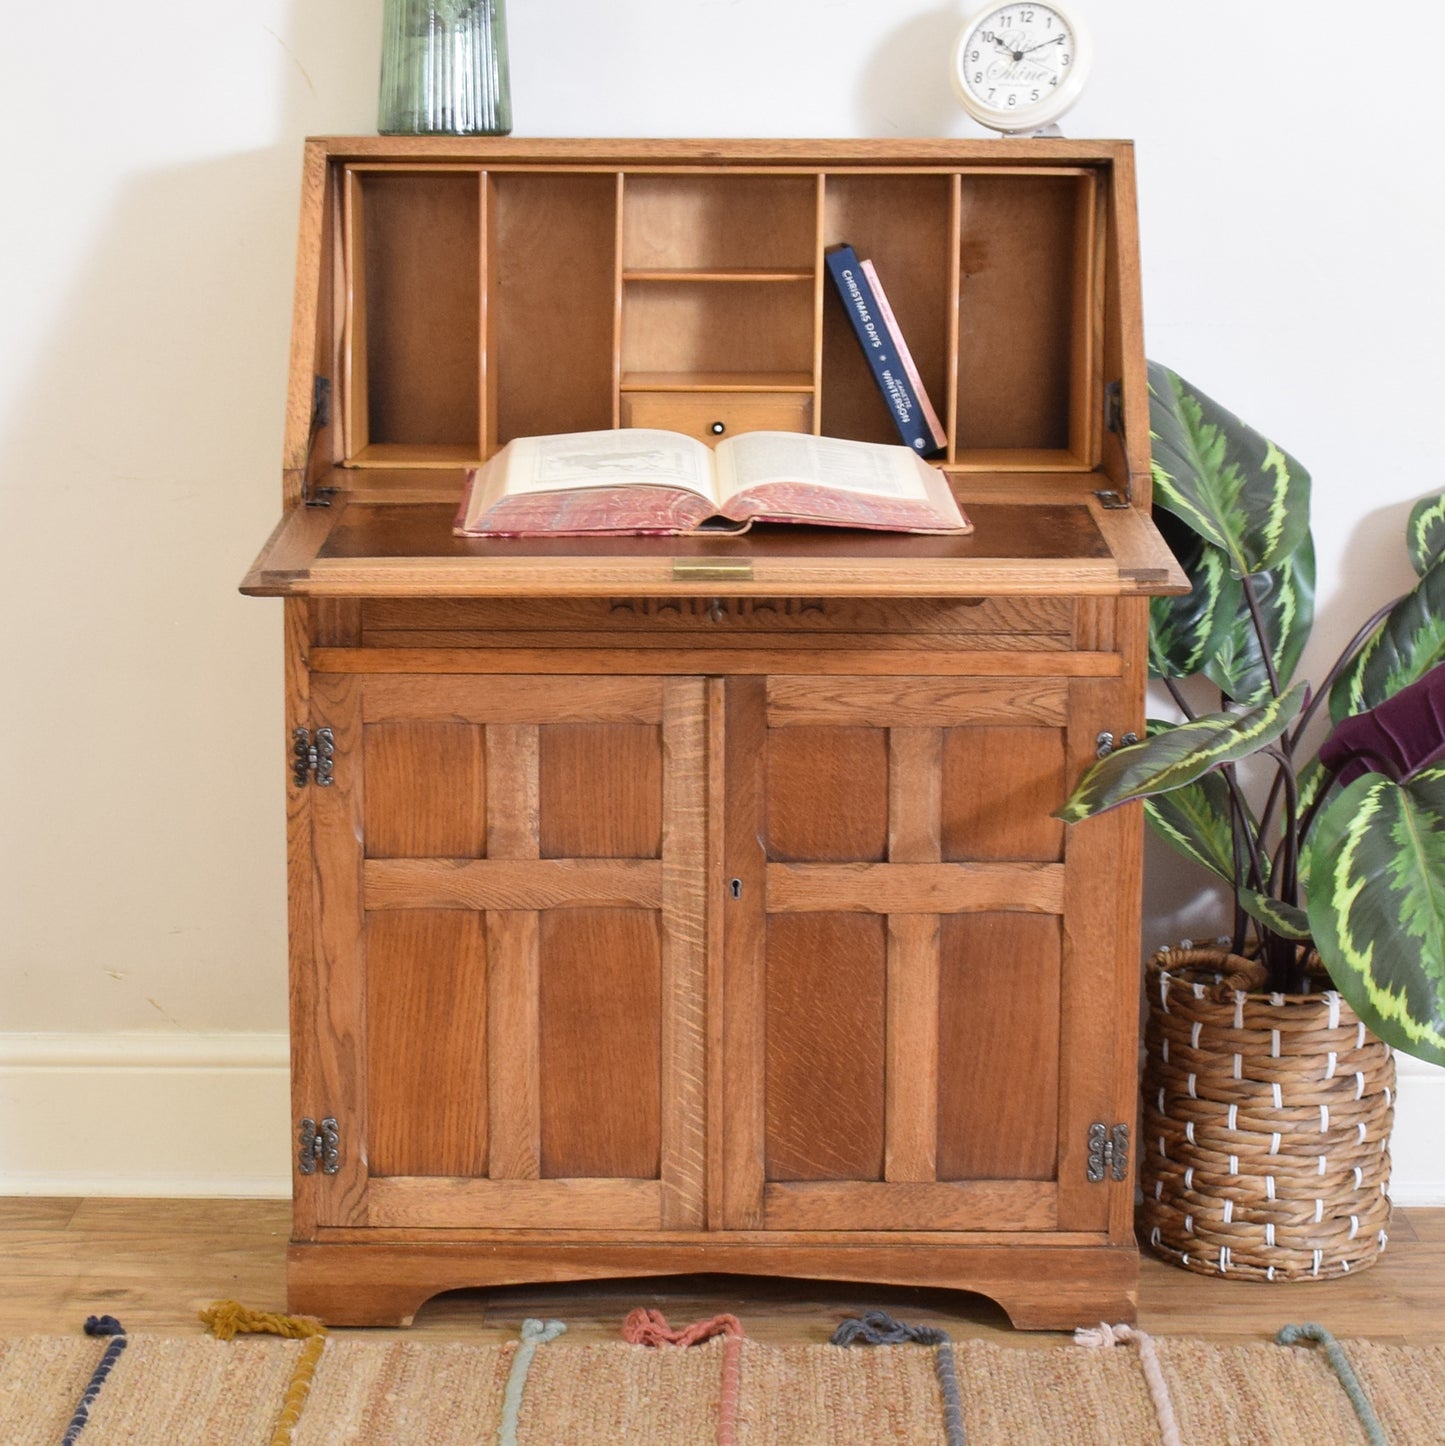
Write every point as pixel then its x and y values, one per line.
pixel 514 1045
pixel 743 1121
pixel 915 780
pixel 827 793
pixel 426 1019
pixel 511 883
pixel 601 1062
pixel 421 322
pixel 912 1046
pixel 684 959
pixel 1100 989
pixel 601 1204
pixel 998 1047
pixel 513 791
pixel 915 888
pixel 336 1028
pixel 309 1068
pixel 1001 786
pixel 880 703
pixel 976 1205
pixel 551 302
pixel 425 791
pixel 600 790
pixel 513 700
pixel 825 1055
pixel 1041 1287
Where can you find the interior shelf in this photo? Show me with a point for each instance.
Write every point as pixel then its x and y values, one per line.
pixel 716 382
pixel 735 273
pixel 474 306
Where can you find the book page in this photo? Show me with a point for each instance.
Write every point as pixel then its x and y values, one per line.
pixel 624 458
pixel 867 469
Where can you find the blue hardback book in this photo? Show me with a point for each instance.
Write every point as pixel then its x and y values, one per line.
pixel 885 351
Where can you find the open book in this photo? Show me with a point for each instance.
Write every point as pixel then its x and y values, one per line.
pixel 655 483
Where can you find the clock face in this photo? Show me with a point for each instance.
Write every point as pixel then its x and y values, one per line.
pixel 1019 66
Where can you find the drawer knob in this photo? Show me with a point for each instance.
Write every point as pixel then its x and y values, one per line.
pixel 718 428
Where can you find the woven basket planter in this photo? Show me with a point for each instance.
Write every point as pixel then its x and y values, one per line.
pixel 1266 1126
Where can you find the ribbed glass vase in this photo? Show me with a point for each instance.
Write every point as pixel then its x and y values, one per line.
pixel 444 69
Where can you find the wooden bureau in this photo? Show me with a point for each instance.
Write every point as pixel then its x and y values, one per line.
pixel 672 905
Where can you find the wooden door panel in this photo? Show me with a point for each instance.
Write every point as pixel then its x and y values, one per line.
pixel 426 1008
pixel 1000 786
pixel 998 1005
pixel 425 791
pixel 601 791
pixel 827 791
pixel 513 877
pixel 824 1027
pixel 899 976
pixel 600 1049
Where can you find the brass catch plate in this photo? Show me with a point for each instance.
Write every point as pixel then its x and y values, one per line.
pixel 712 569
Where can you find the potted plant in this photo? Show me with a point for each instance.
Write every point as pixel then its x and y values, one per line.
pixel 1268 1081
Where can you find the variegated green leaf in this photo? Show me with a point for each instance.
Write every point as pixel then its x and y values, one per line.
pixel 1171 760
pixel 1228 482
pixel 1425 533
pixel 1279 918
pixel 1311 778
pixel 1377 905
pixel 1186 631
pixel 1286 599
pixel 1194 819
pixel 1406 645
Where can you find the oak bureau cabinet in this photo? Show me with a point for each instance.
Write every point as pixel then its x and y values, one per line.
pixel 695 904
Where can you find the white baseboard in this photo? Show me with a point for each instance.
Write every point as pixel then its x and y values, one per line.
pixel 1417 1147
pixel 145 1114
pixel 210 1114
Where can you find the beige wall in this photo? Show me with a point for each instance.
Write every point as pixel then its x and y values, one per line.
pixel 149 200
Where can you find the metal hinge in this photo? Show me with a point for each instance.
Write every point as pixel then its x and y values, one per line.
pixel 320 420
pixel 1109 497
pixel 321 1146
pixel 1104 744
pixel 1108 1152
pixel 310 759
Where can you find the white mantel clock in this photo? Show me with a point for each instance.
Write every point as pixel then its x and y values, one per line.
pixel 1018 68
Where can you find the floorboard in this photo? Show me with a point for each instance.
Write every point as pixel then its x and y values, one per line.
pixel 155 1263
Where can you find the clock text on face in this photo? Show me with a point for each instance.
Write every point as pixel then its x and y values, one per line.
pixel 1016 55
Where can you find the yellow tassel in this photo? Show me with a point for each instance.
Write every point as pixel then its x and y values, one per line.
pixel 226 1318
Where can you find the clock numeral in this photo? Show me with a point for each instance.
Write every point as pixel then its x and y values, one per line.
pixel 978 77
pixel 1063 59
pixel 1033 95
pixel 973 55
pixel 1026 17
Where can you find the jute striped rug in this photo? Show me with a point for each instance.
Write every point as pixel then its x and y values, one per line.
pixel 709 1384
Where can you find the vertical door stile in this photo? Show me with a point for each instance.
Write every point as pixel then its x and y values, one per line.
pixel 684 958
pixel 513 962
pixel 745 942
pixel 338 1025
pixel 915 805
pixel 1096 1034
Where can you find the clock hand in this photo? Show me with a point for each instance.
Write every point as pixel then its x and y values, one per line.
pixel 1056 40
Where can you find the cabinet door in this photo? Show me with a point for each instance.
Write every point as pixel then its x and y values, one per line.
pixel 502 1008
pixel 926 999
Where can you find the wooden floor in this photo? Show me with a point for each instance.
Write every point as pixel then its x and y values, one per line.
pixel 155 1263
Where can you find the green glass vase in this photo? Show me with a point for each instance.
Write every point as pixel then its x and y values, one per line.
pixel 444 69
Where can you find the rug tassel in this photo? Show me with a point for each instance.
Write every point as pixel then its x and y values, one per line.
pixel 96 1325
pixel 650 1328
pixel 534 1333
pixel 1340 1363
pixel 225 1319
pixel 1105 1336
pixel 878 1328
